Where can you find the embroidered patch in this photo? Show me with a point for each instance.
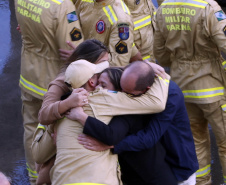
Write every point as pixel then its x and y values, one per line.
pixel 224 30
pixel 123 30
pixel 121 47
pixel 75 34
pixel 72 17
pixel 100 27
pixel 220 15
pixel 137 2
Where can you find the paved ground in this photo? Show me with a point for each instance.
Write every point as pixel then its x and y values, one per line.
pixel 12 161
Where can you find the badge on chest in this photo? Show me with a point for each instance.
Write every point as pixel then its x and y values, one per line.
pixel 100 27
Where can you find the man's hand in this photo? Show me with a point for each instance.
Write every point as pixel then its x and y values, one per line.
pixel 77 114
pixel 91 143
pixel 78 98
pixel 157 69
pixel 65 54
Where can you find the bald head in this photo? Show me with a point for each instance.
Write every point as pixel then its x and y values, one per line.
pixel 137 78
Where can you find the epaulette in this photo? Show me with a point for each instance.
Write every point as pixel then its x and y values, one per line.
pixel 214 5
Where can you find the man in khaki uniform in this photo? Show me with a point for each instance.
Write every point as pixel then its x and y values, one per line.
pixel 46 25
pixel 142 13
pixel 189 38
pixel 74 163
pixel 110 22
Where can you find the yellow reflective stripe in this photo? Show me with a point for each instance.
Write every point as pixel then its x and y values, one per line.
pixel 110 14
pixel 85 183
pixel 125 8
pixel 58 1
pixel 32 173
pixel 32 87
pixel 147 58
pixel 142 22
pixel 224 179
pixel 224 65
pixel 133 45
pixel 223 107
pixel 41 126
pixel 203 171
pixel 88 1
pixel 194 3
pixel 155 13
pixel 204 93
pixel 166 82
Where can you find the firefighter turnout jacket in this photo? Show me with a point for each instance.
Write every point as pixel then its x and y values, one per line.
pixel 46 25
pixel 189 38
pixel 142 13
pixel 110 22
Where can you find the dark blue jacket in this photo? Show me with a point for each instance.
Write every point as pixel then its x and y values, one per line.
pixel 172 128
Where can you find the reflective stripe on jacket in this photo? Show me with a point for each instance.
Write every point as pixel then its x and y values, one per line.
pixel 45 28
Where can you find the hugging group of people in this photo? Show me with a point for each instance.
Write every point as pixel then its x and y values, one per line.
pixel 113 125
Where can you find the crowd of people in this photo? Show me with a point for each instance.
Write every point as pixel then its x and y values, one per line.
pixel 97 104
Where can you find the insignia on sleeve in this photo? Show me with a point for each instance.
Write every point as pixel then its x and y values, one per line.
pixel 220 15
pixel 137 2
pixel 72 17
pixel 75 34
pixel 100 27
pixel 123 30
pixel 224 30
pixel 121 47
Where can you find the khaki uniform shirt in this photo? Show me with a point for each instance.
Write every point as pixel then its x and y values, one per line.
pixel 110 22
pixel 142 13
pixel 189 38
pixel 76 164
pixel 46 25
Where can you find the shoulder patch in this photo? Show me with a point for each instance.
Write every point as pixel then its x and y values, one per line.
pixel 220 15
pixel 75 34
pixel 121 47
pixel 72 17
pixel 224 30
pixel 123 30
pixel 100 26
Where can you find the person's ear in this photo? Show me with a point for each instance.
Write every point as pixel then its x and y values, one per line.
pixel 146 89
pixel 91 82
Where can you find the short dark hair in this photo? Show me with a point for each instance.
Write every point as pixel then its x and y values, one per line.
pixel 114 74
pixel 145 75
pixel 90 50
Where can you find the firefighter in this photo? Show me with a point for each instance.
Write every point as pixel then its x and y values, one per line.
pixel 110 22
pixel 142 13
pixel 189 37
pixel 45 27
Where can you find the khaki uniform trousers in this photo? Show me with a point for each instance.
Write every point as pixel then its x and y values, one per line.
pixel 200 115
pixel 30 109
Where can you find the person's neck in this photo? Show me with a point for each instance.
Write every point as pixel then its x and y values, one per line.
pixel 88 88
